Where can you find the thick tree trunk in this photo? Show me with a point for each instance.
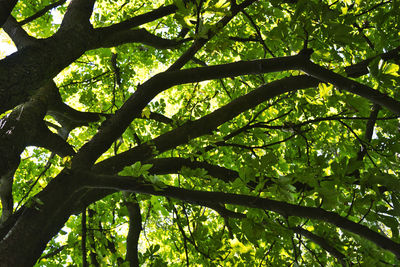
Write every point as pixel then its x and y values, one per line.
pixel 23 72
pixel 41 219
pixel 6 6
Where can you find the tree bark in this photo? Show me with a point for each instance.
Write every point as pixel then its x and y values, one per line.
pixel 6 6
pixel 135 227
pixel 37 222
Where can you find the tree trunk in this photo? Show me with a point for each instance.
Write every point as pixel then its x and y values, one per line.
pixel 41 219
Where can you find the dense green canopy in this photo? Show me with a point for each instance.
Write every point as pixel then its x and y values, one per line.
pixel 200 132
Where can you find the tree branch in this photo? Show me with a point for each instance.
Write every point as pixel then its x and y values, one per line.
pixel 323 244
pixel 41 12
pixel 6 196
pixel 160 82
pixel 160 118
pixel 52 254
pixel 199 43
pixel 78 15
pixel 372 8
pixel 243 40
pixel 174 165
pixel 24 126
pixel 71 118
pixel 285 209
pixel 138 20
pixel 314 238
pixel 204 125
pixel 17 34
pixel 191 130
pixel 135 227
pixel 68 117
pixel 369 130
pixel 132 108
pixel 361 68
pixel 52 142
pixel 260 38
pixel 351 86
pixel 6 6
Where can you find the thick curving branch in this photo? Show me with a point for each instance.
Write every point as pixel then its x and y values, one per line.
pixel 68 117
pixel 52 142
pixel 17 34
pixel 160 82
pixel 135 227
pixel 361 68
pixel 369 129
pixel 23 127
pixel 189 131
pixel 6 6
pixel 138 20
pixel 283 208
pixel 204 125
pixel 174 165
pixel 132 108
pixel 41 12
pixel 349 85
pixel 78 15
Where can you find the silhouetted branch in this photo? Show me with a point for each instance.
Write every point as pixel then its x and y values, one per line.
pixel 6 6
pixel 41 12
pixel 283 208
pixel 135 227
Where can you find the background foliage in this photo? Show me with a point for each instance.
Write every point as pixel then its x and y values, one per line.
pixel 322 147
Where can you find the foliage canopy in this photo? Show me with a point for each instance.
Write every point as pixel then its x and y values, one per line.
pixel 200 132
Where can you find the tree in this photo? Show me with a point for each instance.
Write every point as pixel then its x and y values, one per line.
pixel 218 132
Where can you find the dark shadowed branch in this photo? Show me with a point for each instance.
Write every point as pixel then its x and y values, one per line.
pixel 135 227
pixel 174 165
pixel 138 20
pixel 23 127
pixel 41 12
pixel 206 124
pixel 17 34
pixel 6 6
pixel 352 86
pixel 160 82
pixel 78 15
pixel 361 68
pixel 283 208
pixel 132 108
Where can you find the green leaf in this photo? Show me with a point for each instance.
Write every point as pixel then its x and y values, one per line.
pixel 146 112
pixel 324 90
pixel 391 69
pixel 354 164
pixel 252 231
pixel 136 170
